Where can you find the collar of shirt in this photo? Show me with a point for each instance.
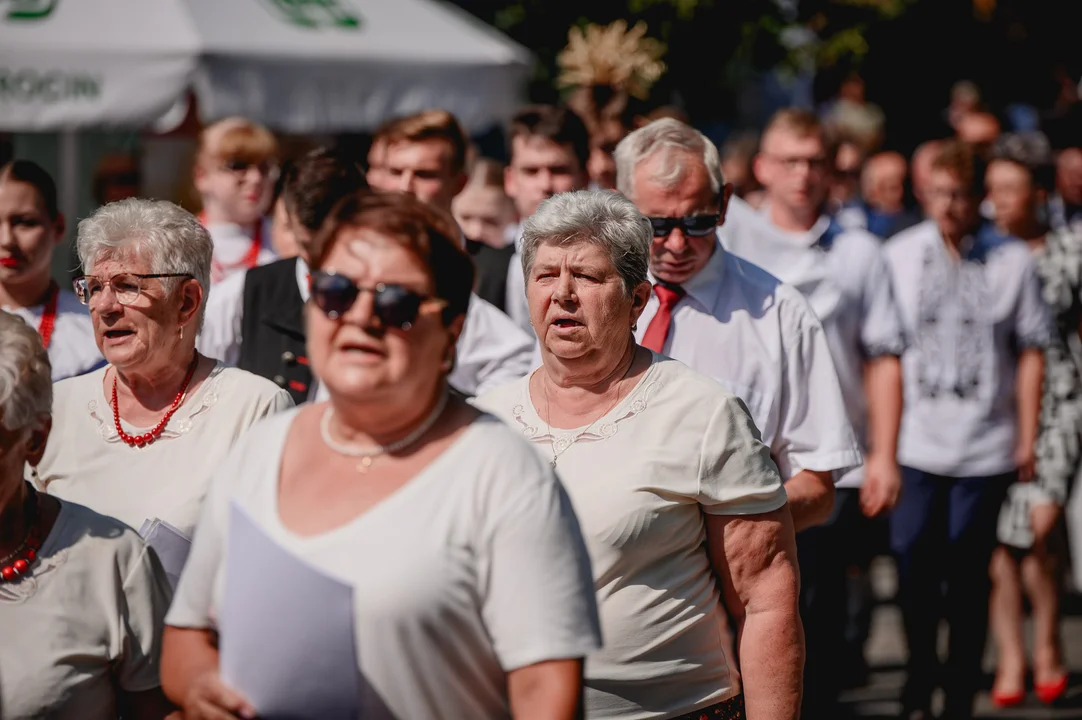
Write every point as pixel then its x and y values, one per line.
pixel 302 279
pixel 824 229
pixel 705 286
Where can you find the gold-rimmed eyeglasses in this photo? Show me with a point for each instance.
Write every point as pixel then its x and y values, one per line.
pixel 127 287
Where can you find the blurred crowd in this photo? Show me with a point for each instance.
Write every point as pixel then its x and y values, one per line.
pixel 614 427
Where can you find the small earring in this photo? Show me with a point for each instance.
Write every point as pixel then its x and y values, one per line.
pixel 634 327
pixel 35 479
pixel 181 332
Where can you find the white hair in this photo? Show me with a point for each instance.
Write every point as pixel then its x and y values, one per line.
pixel 26 387
pixel 169 238
pixel 602 217
pixel 675 141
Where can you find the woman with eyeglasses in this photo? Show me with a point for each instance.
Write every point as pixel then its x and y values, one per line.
pixel 138 439
pixel 31 227
pixel 472 595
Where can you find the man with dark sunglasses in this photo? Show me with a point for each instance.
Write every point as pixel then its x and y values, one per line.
pixel 844 276
pixel 733 321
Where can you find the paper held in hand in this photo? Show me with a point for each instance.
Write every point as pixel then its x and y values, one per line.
pixel 286 630
pixel 169 544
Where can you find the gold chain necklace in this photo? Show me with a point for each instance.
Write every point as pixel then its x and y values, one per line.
pixel 552 444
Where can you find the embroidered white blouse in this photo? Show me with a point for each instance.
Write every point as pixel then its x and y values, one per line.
pixel 87 462
pixel 640 478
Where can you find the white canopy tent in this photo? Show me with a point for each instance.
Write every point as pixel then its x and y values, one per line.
pixel 340 65
pixel 299 66
pixel 68 64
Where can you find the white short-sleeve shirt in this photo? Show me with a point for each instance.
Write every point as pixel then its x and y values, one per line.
pixel 965 322
pixel 84 623
pixel 474 568
pixel 844 276
pixel 87 462
pixel 72 347
pixel 491 350
pixel 759 338
pixel 640 479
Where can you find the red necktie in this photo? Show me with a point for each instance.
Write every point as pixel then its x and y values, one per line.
pixel 658 329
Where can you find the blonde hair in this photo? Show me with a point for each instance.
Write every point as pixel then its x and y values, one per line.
pixel 237 138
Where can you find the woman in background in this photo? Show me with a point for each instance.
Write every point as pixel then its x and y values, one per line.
pixel 31 227
pixel 1030 554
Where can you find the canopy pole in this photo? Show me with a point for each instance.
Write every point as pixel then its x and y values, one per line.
pixel 69 190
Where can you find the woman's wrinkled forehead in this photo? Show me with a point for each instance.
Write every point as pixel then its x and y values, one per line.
pixel 363 251
pixel 127 256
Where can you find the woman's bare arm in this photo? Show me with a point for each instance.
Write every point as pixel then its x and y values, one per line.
pixel 549 690
pixel 754 557
pixel 190 677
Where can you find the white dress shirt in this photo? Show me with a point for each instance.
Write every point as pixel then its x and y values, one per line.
pixel 72 347
pixel 491 351
pixel 759 338
pixel 845 278
pixel 965 321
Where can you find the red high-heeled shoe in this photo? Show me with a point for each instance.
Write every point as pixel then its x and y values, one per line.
pixel 1050 692
pixel 1007 700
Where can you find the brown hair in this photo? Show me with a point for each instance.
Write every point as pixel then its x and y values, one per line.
pixel 558 124
pixel 428 125
pixel 29 172
pixel 237 138
pixel 428 233
pixel 958 158
pixel 798 121
pixel 313 184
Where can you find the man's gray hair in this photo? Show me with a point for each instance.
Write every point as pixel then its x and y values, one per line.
pixel 169 238
pixel 675 141
pixel 602 217
pixel 26 386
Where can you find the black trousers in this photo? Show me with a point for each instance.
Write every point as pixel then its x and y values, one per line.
pixel 943 532
pixel 824 553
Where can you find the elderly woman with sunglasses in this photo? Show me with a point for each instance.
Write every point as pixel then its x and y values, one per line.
pixel 684 512
pixel 139 438
pixel 82 601
pixel 471 582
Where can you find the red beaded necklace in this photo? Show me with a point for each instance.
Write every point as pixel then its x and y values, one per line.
pixel 48 315
pixel 18 563
pixel 149 437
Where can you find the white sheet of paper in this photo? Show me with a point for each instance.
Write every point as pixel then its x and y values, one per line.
pixel 170 545
pixel 286 630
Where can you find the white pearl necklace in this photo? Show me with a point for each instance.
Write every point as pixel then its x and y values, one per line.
pixel 370 453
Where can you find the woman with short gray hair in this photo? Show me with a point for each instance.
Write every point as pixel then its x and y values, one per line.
pixel 682 508
pixel 138 439
pixel 82 601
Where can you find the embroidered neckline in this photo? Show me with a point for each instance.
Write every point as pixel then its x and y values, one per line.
pixel 102 413
pixel 560 439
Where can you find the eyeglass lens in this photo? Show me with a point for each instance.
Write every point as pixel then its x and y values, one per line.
pixel 126 288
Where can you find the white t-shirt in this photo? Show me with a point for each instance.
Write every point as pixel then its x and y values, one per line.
pixel 844 276
pixel 677 446
pixel 86 621
pixel 759 338
pixel 491 351
pixel 232 243
pixel 87 462
pixel 72 347
pixel 474 568
pixel 965 322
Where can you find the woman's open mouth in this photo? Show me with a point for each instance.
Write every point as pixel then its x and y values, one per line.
pixel 117 334
pixel 566 323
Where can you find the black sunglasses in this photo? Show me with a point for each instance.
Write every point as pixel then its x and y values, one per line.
pixel 395 305
pixel 693 225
